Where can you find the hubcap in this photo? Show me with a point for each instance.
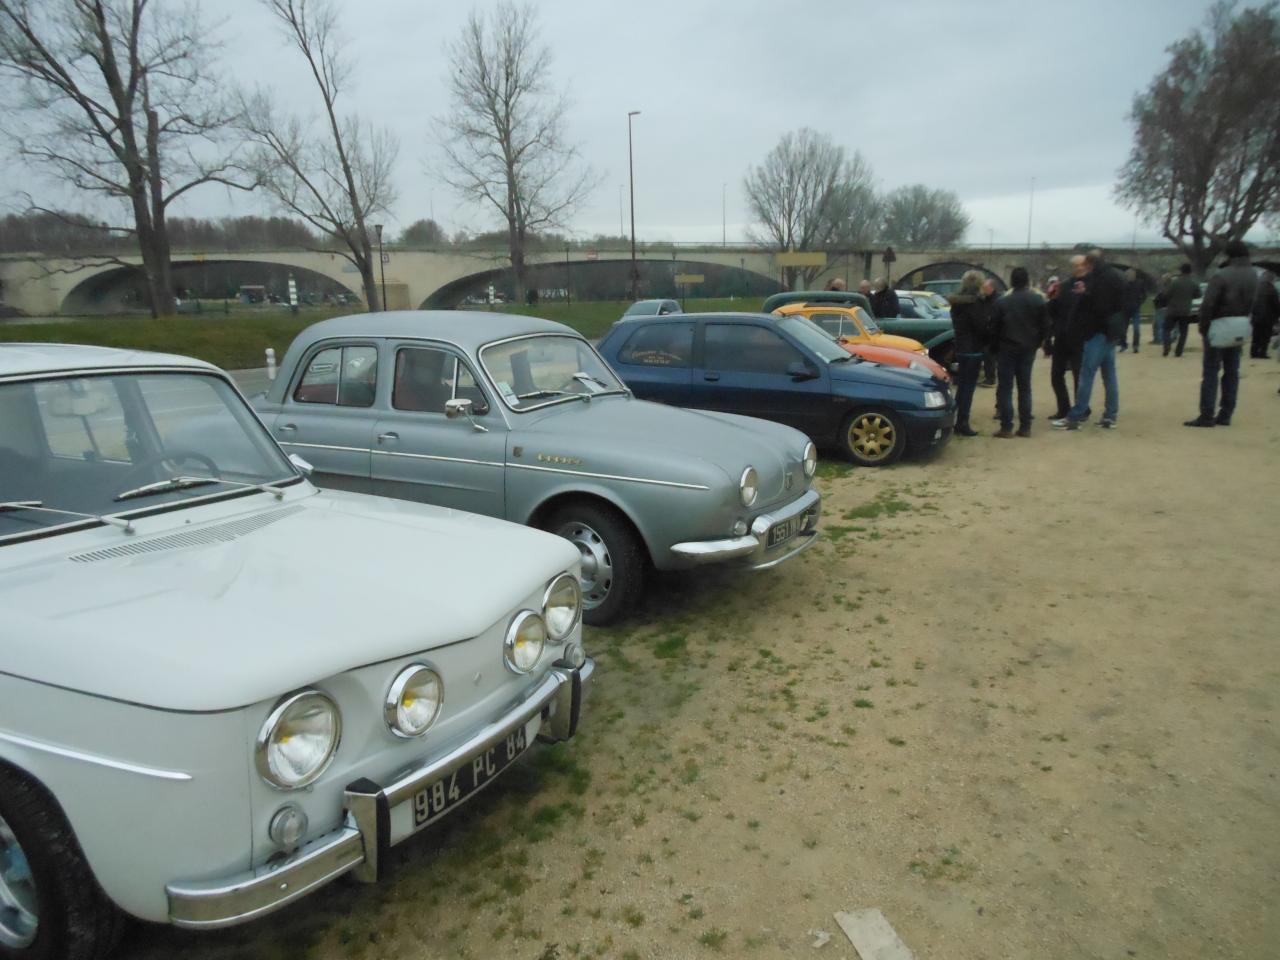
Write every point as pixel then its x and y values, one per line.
pixel 18 902
pixel 872 436
pixel 597 564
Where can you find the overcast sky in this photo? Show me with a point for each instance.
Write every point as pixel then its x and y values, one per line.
pixel 976 97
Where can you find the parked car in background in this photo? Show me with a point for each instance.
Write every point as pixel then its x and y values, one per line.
pixel 782 369
pixel 653 308
pixel 517 417
pixel 849 323
pixel 221 688
pixel 922 305
pixel 935 333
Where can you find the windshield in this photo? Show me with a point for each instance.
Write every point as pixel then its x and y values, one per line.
pixel 76 443
pixel 813 338
pixel 532 372
pixel 868 322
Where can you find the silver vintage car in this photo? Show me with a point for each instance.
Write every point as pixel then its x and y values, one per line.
pixel 521 418
pixel 221 688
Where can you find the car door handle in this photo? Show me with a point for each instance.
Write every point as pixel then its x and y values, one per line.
pixel 711 376
pixel 382 437
pixel 287 427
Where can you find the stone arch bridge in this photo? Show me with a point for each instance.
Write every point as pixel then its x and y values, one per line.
pixel 48 286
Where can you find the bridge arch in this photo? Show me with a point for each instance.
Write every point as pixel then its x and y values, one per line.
pixel 209 278
pixel 609 279
pixel 945 270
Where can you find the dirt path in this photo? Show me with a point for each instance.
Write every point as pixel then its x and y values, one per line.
pixel 1023 699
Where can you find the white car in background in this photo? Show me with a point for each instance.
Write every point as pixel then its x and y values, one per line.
pixel 221 688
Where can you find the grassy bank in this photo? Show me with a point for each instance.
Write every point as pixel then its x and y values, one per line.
pixel 237 340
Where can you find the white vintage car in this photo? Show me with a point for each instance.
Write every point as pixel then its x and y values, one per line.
pixel 221 688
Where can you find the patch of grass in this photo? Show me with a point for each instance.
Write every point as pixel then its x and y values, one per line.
pixel 862 703
pixel 714 938
pixel 672 646
pixel 832 470
pixel 632 917
pixel 897 741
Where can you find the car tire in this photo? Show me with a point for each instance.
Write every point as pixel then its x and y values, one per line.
pixel 613 559
pixel 41 862
pixel 873 438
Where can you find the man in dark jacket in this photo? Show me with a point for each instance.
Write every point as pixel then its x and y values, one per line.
pixel 969 320
pixel 1101 320
pixel 990 294
pixel 1135 293
pixel 1182 292
pixel 1018 325
pixel 884 299
pixel 1266 311
pixel 1064 344
pixel 1230 294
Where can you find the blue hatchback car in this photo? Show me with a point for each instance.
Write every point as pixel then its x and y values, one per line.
pixel 783 369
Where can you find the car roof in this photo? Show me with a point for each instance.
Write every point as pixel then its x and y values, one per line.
pixel 19 359
pixel 468 329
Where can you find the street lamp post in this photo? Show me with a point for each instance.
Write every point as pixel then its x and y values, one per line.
pixel 724 217
pixel 382 266
pixel 568 278
pixel 631 169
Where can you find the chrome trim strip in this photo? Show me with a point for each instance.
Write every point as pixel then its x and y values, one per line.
pixel 324 446
pixel 428 456
pixel 90 758
pixel 611 476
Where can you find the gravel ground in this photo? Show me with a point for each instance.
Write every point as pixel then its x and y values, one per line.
pixel 1022 698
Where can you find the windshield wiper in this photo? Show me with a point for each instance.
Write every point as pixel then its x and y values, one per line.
pixel 553 393
pixel 39 507
pixel 183 483
pixel 845 359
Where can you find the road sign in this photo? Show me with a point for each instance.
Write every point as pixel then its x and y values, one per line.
pixel 386 258
pixel 593 255
pixel 798 259
pixel 688 278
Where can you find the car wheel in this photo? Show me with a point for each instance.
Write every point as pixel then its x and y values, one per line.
pixel 50 904
pixel 873 438
pixel 613 560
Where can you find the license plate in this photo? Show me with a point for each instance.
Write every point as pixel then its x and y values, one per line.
pixel 436 799
pixel 781 532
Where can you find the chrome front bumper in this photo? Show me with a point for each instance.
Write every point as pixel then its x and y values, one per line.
pixel 752 548
pixel 359 846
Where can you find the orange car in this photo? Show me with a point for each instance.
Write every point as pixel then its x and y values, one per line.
pixel 855 330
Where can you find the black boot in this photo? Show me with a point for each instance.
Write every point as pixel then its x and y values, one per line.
pixel 964 430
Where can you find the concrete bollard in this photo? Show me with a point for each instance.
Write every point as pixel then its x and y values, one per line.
pixel 271 363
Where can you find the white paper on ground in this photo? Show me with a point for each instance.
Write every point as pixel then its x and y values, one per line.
pixel 872 936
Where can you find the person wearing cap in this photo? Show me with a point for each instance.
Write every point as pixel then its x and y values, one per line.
pixel 1230 293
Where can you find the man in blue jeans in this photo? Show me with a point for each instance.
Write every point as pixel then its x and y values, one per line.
pixel 1103 322
pixel 1230 293
pixel 1019 323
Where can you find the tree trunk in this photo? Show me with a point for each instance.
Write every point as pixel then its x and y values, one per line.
pixel 163 303
pixel 515 241
pixel 369 275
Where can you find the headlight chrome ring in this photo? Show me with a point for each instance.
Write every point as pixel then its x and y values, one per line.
pixel 526 637
pixel 562 606
pixel 413 701
pixel 286 750
pixel 810 459
pixel 749 486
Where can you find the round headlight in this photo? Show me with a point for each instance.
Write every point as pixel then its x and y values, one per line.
pixel 413 701
pixel 526 637
pixel 298 740
pixel 810 459
pixel 561 606
pixel 748 486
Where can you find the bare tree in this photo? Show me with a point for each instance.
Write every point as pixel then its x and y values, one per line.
pixel 337 177
pixel 809 194
pixel 505 145
pixel 115 98
pixel 1205 163
pixel 917 216
pixel 423 233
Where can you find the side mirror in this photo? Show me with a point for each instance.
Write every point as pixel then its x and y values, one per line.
pixel 801 371
pixel 304 468
pixel 461 407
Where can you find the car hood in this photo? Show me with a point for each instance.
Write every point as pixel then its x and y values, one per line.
pixel 879 375
pixel 242 608
pixel 623 434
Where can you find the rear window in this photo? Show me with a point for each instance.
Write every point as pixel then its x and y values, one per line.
pixel 659 345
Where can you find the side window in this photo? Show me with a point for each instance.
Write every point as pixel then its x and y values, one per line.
pixel 748 349
pixel 83 420
pixel 833 323
pixel 426 379
pixel 345 376
pixel 659 345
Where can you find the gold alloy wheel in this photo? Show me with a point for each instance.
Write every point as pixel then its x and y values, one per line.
pixel 872 436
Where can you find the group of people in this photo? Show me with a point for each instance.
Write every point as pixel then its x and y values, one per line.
pixel 1081 322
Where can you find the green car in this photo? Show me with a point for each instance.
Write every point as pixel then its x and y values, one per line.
pixel 934 331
